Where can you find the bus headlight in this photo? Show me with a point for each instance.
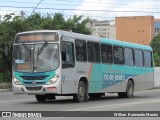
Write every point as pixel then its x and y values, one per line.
pixel 16 81
pixel 53 80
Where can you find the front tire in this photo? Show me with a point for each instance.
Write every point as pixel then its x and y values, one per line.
pixel 129 91
pixel 80 96
pixel 41 98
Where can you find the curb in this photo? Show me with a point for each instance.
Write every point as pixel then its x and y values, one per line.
pixel 5 86
pixel 154 88
pixel 5 90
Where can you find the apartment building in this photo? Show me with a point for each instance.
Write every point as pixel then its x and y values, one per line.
pixel 105 29
pixel 157 26
pixel 135 29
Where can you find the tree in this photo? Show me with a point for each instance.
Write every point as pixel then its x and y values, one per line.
pixel 76 24
pixel 155 44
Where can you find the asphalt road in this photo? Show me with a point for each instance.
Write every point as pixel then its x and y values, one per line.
pixel 148 100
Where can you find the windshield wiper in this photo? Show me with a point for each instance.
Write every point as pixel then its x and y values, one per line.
pixel 42 48
pixel 26 47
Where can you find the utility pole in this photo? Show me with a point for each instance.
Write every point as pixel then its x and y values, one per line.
pixel 36 7
pixel 22 15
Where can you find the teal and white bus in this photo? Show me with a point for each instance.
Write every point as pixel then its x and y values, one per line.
pixel 49 63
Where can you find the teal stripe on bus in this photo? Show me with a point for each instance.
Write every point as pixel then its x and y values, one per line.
pixel 18 75
pixel 106 75
pixel 125 44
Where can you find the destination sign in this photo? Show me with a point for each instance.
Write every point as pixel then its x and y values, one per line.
pixel 37 37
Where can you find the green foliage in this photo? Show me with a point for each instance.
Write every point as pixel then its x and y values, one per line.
pixel 76 24
pixel 2 77
pixel 155 44
pixel 11 25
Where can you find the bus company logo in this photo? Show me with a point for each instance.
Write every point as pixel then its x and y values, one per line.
pixel 113 77
pixel 6 114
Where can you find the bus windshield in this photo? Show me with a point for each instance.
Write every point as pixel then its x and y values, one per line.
pixel 36 57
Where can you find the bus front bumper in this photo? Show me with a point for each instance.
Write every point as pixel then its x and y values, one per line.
pixel 43 89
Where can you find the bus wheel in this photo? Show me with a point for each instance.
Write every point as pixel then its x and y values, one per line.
pixel 41 98
pixel 129 91
pixel 80 96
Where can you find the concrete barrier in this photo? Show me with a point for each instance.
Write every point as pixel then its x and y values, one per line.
pixel 157 77
pixel 5 85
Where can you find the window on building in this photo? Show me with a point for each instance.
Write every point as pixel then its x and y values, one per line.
pixel 155 30
pixel 147 59
pixel 81 52
pixel 118 55
pixel 138 54
pixel 128 54
pixel 106 53
pixel 93 52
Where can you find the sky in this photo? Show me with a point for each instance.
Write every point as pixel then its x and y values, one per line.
pixel 95 9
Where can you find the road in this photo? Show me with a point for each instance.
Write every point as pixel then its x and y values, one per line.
pixel 148 100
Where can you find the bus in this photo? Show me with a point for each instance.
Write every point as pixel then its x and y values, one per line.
pixel 49 63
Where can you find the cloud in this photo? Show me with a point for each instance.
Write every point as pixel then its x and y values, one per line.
pixel 106 9
pixel 6 11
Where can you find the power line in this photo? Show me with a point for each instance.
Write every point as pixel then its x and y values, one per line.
pixel 36 7
pixel 84 15
pixel 74 2
pixel 44 8
pixel 64 1
pixel 9 10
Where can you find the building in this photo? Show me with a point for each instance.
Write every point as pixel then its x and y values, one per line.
pixel 105 29
pixel 157 26
pixel 135 29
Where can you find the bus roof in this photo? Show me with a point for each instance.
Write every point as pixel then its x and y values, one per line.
pixel 80 36
pixel 93 38
pixel 68 34
pixel 125 44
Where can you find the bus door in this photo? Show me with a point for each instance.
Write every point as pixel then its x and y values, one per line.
pixel 68 63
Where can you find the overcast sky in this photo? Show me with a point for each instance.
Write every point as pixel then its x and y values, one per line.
pixel 96 9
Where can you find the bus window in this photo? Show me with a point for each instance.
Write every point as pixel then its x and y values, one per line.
pixel 81 52
pixel 67 54
pixel 118 55
pixel 93 52
pixel 106 53
pixel 128 54
pixel 147 59
pixel 138 54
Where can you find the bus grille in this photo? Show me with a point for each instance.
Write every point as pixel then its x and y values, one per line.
pixel 42 77
pixel 34 88
pixel 40 83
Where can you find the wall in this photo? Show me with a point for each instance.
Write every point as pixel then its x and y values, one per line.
pixel 135 29
pixel 157 77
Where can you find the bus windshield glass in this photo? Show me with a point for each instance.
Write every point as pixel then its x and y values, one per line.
pixel 36 57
